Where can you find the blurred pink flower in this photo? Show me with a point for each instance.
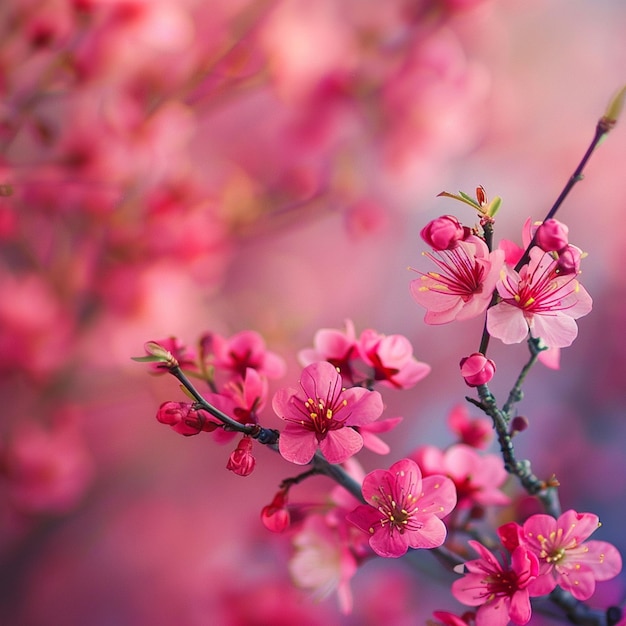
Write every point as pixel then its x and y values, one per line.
pixel 403 510
pixel 321 412
pixel 335 346
pixel 477 478
pixel 565 556
pixel 245 349
pixel 476 432
pixel 449 619
pixel 463 287
pixel 501 591
pixel 540 301
pixel 46 470
pixel 391 357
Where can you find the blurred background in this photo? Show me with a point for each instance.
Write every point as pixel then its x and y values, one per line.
pixel 171 167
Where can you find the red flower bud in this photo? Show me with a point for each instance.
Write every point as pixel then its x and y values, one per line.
pixel 184 419
pixel 241 461
pixel 477 369
pixel 551 235
pixel 443 233
pixel 275 516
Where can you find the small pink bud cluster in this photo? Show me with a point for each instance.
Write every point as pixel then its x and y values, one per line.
pixel 552 236
pixel 477 369
pixel 185 419
pixel 241 461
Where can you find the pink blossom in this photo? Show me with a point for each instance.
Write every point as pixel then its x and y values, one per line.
pixel 321 413
pixel 403 510
pixel 501 591
pixel 476 432
pixel 371 440
pixel 443 233
pixel 477 369
pixel 391 357
pixel 540 301
pixel 477 478
pixel 324 561
pixel 565 556
pixel 463 286
pixel 243 350
pixel 47 469
pixel 334 346
pixel 241 461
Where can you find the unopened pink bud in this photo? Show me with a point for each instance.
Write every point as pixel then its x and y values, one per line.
pixel 477 369
pixel 569 260
pixel 275 516
pixel 443 233
pixel 241 461
pixel 184 419
pixel 518 424
pixel 551 235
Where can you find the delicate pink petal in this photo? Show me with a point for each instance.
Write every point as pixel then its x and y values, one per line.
pixel 557 330
pixel 431 535
pixel 365 406
pixel 338 445
pixel 297 445
pixel 438 496
pixel 519 608
pixel 507 323
pixel 389 544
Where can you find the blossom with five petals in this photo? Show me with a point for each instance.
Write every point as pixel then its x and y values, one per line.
pixel 500 591
pixel 463 286
pixel 538 300
pixel 565 556
pixel 403 509
pixel 321 413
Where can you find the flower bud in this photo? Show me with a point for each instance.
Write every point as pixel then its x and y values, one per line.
pixel 551 235
pixel 518 424
pixel 184 419
pixel 241 461
pixel 569 260
pixel 443 233
pixel 477 369
pixel 275 516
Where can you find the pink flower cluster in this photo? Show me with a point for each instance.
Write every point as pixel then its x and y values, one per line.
pixel 542 297
pixel 370 358
pixel 544 552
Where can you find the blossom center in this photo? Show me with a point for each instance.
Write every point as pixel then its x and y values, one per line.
pixel 460 275
pixel 397 511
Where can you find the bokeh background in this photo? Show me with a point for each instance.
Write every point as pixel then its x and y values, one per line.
pixel 170 167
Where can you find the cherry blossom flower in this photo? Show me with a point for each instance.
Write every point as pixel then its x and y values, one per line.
pixel 321 413
pixel 462 287
pixel 477 478
pixel 540 301
pixel 477 369
pixel 565 556
pixel 243 350
pixel 501 591
pixel 334 346
pixel 476 432
pixel 403 510
pixel 391 357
